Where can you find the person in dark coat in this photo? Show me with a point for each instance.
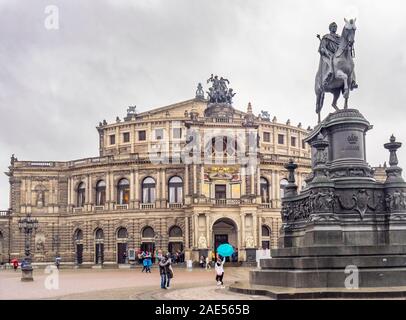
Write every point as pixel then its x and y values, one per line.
pixel 163 271
pixel 169 270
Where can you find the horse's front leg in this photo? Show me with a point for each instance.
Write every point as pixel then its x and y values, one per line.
pixel 336 94
pixel 341 75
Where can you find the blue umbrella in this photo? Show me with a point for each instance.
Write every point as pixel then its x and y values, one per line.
pixel 225 250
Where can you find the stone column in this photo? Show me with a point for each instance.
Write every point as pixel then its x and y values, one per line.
pixel 158 189
pixel 137 197
pixel 243 182
pixel 132 195
pixel 252 172
pixel 242 231
pixel 107 179
pixel 275 140
pixel 195 230
pixel 112 187
pixel 186 183
pixel 164 197
pixel 72 192
pixel 201 179
pixel 258 193
pixel 255 227
pixel 69 195
pixel 90 192
pixel 194 179
pixel 208 230
pixel 277 189
pixel 132 138
pixel 187 245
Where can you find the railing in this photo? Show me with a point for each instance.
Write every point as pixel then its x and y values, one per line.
pixel 4 213
pixel 266 205
pixel 42 164
pixel 147 206
pixel 98 208
pixel 77 209
pixel 175 205
pixel 121 206
pixel 222 120
pixel 225 202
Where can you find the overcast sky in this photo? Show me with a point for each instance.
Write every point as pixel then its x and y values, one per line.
pixel 56 85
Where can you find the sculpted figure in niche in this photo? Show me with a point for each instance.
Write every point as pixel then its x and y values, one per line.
pixel 202 242
pixel 40 199
pixel 249 241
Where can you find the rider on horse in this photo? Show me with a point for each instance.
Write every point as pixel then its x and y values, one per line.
pixel 327 49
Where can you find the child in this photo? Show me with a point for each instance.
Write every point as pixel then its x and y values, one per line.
pixel 219 267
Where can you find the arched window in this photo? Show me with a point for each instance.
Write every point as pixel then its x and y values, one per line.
pixel 122 233
pixel 81 194
pixel 78 236
pixel 265 237
pixel 175 186
pixel 100 193
pixel 175 232
pixel 264 185
pixel 148 232
pixel 123 191
pixel 99 235
pixel 283 185
pixel 148 190
pixel 265 231
pixel 223 145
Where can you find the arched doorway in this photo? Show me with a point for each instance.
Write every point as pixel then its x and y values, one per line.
pixel 175 240
pixel 225 231
pixel 122 237
pixel 99 246
pixel 78 241
pixel 148 239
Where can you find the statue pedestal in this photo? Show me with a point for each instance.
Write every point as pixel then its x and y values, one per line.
pixel 345 229
pixel 27 274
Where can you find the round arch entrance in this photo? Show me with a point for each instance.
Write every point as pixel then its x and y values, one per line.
pixel 225 231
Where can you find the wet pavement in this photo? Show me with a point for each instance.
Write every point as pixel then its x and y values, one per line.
pixel 123 284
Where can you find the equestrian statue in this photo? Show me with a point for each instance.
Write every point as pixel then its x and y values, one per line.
pixel 336 68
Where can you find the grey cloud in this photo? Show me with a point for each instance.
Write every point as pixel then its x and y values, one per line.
pixel 55 86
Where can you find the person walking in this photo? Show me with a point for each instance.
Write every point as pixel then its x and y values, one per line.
pixel 144 262
pixel 169 270
pixel 15 264
pixel 149 263
pixel 219 267
pixel 163 271
pixel 208 266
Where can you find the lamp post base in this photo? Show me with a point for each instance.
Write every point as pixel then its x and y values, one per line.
pixel 27 274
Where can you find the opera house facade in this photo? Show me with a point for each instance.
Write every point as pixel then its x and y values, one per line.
pixel 184 177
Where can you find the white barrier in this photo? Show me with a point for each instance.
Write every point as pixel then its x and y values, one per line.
pixel 262 254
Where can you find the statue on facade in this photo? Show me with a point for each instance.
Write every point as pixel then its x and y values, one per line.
pixel 336 68
pixel 199 91
pixel 202 242
pixel 13 159
pixel 265 115
pixel 219 91
pixel 249 241
pixel 40 244
pixel 40 199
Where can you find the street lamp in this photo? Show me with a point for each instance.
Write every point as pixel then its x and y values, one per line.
pixel 27 225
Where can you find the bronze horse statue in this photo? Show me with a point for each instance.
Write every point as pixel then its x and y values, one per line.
pixel 342 66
